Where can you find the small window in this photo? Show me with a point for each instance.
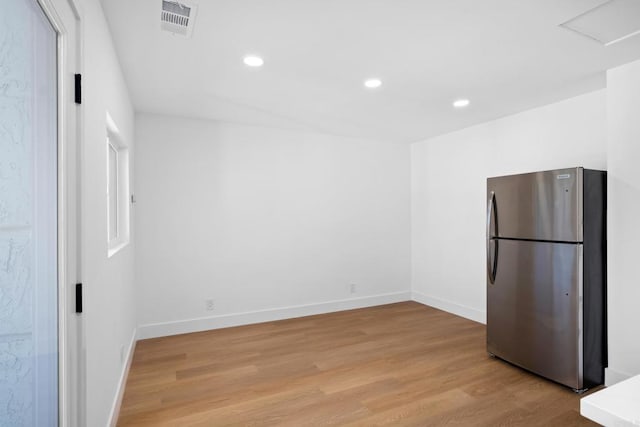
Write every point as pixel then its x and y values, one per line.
pixel 117 189
pixel 112 191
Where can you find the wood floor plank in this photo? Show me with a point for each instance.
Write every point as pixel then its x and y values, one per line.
pixel 399 364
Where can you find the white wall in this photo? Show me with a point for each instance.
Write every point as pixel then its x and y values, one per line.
pixel 109 312
pixel 623 113
pixel 448 180
pixel 263 219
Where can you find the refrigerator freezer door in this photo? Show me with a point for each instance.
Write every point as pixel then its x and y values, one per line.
pixel 534 309
pixel 538 206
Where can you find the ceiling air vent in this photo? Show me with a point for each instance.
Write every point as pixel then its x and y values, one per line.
pixel 178 17
pixel 611 22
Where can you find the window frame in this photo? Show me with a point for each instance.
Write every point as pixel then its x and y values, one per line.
pixel 121 237
pixel 112 150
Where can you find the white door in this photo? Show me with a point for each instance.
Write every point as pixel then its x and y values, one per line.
pixel 39 332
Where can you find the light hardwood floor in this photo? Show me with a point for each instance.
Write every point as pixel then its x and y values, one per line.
pixel 401 364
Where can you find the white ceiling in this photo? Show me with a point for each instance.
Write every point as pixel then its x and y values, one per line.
pixel 504 55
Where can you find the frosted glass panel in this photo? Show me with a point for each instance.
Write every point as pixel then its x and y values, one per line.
pixel 28 217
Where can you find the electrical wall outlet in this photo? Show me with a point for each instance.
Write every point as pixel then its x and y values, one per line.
pixel 353 288
pixel 209 305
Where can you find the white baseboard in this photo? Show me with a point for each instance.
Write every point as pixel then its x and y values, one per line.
pixel 115 408
pixel 611 376
pixel 154 330
pixel 451 307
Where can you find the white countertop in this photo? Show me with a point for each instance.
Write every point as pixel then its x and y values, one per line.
pixel 615 406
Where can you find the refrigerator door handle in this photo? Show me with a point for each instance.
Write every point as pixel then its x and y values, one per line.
pixel 492 261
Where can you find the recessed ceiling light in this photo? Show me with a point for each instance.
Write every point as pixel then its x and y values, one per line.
pixel 460 103
pixel 253 61
pixel 372 83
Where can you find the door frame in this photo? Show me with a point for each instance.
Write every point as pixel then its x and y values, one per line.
pixel 71 399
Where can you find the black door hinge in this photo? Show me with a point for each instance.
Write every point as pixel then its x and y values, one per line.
pixel 78 90
pixel 78 297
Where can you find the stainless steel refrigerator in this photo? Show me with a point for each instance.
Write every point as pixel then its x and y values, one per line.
pixel 546 273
